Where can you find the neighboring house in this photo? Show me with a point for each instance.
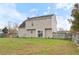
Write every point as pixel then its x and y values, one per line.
pixel 40 26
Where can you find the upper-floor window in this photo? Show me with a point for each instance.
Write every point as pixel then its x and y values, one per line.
pixel 32 23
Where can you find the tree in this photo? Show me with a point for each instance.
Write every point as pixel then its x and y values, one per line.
pixel 61 29
pixel 12 29
pixel 75 15
pixel 5 30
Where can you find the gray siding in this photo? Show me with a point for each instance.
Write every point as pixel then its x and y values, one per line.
pixel 46 24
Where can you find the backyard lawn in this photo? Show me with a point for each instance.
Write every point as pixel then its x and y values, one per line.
pixel 37 46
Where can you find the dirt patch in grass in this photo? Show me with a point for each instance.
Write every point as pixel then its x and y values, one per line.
pixel 60 50
pixel 25 49
pixel 30 49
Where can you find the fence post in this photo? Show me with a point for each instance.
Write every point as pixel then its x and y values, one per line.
pixel 75 38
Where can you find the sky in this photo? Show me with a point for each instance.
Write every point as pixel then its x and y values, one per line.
pixel 18 12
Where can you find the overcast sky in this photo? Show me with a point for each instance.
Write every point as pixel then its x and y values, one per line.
pixel 17 13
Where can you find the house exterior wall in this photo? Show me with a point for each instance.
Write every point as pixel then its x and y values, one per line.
pixel 21 32
pixel 31 33
pixel 45 24
pixel 39 23
pixel 48 33
pixel 54 24
pixel 26 33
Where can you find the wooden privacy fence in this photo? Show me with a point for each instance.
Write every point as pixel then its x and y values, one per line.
pixel 61 35
pixel 65 35
pixel 75 38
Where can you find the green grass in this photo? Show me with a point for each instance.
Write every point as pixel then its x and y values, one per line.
pixel 37 46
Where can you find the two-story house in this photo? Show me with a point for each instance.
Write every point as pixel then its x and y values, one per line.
pixel 40 26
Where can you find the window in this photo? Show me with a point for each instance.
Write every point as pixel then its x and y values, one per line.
pixel 31 31
pixel 40 33
pixel 32 23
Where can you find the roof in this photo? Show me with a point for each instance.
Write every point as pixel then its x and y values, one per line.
pixel 41 16
pixel 23 23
